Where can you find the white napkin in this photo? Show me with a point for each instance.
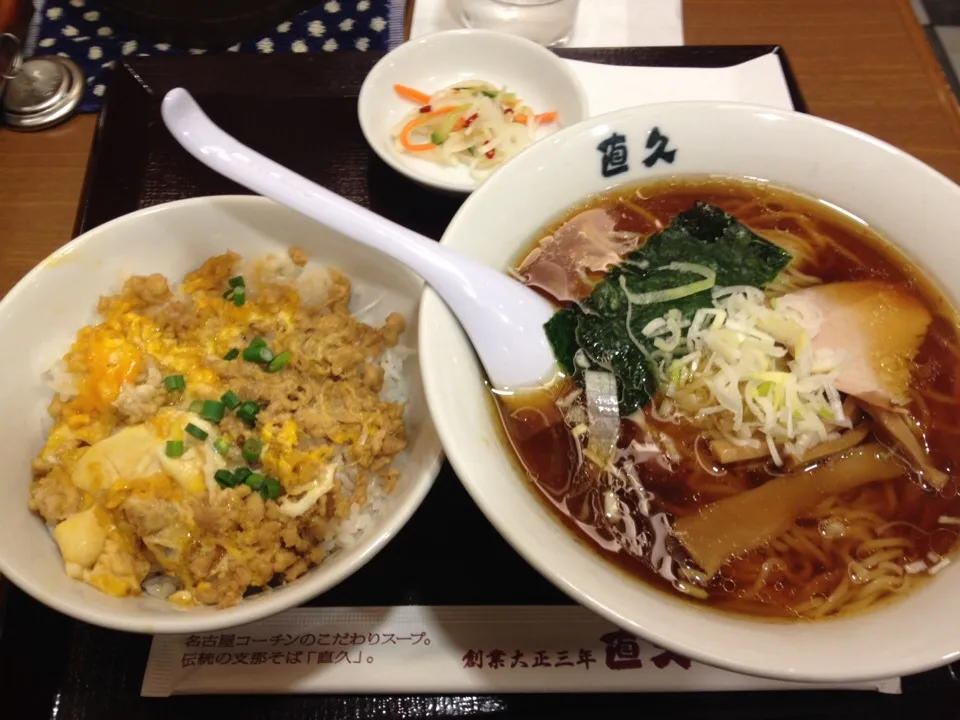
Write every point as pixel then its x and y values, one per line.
pixel 613 87
pixel 600 23
pixel 435 650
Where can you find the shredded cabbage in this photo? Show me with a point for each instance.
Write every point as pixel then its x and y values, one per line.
pixel 486 126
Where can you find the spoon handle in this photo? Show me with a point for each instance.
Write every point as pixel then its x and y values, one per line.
pixel 498 313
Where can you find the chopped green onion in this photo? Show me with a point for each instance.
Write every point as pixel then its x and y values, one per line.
pixel 254 481
pixel 279 362
pixel 248 412
pixel 490 93
pixel 174 382
pixel 227 294
pixel 212 410
pixel 258 342
pixel 233 354
pixel 230 399
pixel 198 433
pixel 174 448
pixel 242 473
pixel 236 282
pixel 248 408
pixel 270 489
pixel 221 445
pixel 239 297
pixel 249 418
pixel 251 449
pixel 258 354
pixel 226 478
pixel 196 406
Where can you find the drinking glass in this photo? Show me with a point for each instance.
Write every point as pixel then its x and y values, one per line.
pixel 548 22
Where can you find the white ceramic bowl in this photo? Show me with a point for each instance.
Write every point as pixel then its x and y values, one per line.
pixel 433 62
pixel 40 317
pixel 902 198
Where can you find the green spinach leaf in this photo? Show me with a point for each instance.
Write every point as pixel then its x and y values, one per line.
pixel 601 326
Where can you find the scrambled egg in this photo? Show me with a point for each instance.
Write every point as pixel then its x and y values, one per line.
pixel 137 478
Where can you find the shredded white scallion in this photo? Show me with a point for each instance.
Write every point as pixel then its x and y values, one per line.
pixel 748 370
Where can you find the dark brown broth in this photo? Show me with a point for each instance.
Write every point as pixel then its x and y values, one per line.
pixel 546 451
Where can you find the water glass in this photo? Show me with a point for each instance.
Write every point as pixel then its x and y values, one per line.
pixel 548 22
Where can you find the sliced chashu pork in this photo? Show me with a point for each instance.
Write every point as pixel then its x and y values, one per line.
pixel 879 326
pixel 585 243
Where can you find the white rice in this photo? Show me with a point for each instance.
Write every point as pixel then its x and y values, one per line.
pixel 62 381
pixel 345 533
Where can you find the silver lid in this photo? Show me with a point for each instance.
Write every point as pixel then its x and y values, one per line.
pixel 44 93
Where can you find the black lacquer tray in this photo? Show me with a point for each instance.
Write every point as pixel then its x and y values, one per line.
pixel 301 111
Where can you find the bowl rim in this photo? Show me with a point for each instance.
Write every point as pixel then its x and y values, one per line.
pixel 296 593
pixel 365 105
pixel 471 479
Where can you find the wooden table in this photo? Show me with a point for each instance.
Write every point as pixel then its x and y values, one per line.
pixel 864 63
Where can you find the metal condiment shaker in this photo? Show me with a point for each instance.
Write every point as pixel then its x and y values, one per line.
pixel 10 58
pixel 45 92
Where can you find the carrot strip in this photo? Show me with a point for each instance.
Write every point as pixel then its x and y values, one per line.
pixel 547 117
pixel 416 122
pixel 408 93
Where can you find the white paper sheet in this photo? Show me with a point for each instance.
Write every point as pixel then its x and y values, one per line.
pixel 600 23
pixel 435 650
pixel 613 87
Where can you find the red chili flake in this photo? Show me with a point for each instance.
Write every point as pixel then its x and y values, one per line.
pixel 491 153
pixel 425 109
pixel 469 120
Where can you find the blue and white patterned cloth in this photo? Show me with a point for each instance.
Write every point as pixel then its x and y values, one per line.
pixel 77 29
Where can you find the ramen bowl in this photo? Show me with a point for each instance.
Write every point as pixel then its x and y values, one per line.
pixel 899 197
pixel 43 313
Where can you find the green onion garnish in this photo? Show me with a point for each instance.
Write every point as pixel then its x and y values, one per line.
pixel 242 473
pixel 270 489
pixel 254 481
pixel 226 478
pixel 212 410
pixel 196 406
pixel 230 399
pixel 174 448
pixel 258 342
pixel 174 382
pixel 248 412
pixel 279 362
pixel 236 282
pixel 198 433
pixel 251 449
pixel 239 297
pixel 258 354
pixel 490 93
pixel 233 354
pixel 221 445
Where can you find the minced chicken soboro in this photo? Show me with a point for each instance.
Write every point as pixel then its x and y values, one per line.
pixel 220 436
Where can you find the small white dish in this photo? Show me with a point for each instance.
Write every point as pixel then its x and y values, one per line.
pixel 909 203
pixel 40 318
pixel 433 62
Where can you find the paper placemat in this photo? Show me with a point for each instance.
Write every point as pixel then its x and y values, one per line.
pixel 612 87
pixel 600 23
pixel 417 649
